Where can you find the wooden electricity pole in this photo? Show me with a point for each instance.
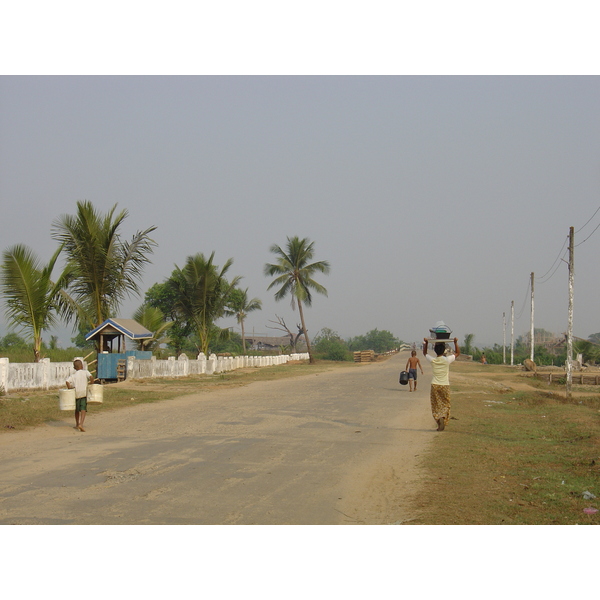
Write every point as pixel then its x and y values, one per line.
pixel 512 332
pixel 570 325
pixel 503 338
pixel 531 330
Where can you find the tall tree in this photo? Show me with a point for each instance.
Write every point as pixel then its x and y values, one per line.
pixel 201 293
pixel 239 306
pixel 33 300
pixel 104 269
pixel 163 296
pixel 294 273
pixel 468 347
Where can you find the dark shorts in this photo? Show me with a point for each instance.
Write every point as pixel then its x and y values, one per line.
pixel 412 374
pixel 81 403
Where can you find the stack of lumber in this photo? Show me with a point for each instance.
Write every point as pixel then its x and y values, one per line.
pixel 364 356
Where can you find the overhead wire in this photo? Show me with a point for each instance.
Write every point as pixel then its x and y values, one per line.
pixel 585 225
pixel 589 221
pixel 560 258
pixel 525 300
pixel 557 260
pixel 589 236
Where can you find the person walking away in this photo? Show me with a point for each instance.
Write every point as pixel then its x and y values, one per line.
pixel 440 384
pixel 79 381
pixel 411 366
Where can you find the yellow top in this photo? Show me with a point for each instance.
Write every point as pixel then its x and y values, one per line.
pixel 441 368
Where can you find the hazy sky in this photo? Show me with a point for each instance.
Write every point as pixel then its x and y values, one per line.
pixel 432 197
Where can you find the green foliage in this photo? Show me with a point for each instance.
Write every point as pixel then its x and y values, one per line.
pixel 521 352
pixel 232 342
pixel 468 347
pixel 79 340
pixel 11 341
pixel 201 292
pixel 22 353
pixel 239 305
pixel 594 338
pixel 329 346
pixel 162 296
pixel 378 341
pixel 102 269
pixel 32 299
pixel 589 350
pixel 153 320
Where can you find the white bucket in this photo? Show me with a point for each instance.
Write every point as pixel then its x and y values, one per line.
pixel 66 399
pixel 94 394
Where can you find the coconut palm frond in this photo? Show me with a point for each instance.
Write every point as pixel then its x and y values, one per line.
pixel 30 295
pixel 103 270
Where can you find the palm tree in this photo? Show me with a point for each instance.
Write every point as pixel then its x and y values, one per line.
pixel 33 300
pixel 153 320
pixel 469 337
pixel 201 293
pixel 103 268
pixel 239 306
pixel 294 273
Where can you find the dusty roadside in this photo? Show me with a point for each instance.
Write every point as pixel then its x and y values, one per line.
pixel 337 447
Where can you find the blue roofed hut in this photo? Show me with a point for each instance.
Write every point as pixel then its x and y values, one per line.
pixel 111 338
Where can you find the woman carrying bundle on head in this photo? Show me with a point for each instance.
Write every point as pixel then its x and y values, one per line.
pixel 440 383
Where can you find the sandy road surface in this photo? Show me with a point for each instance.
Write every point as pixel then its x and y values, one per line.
pixel 333 448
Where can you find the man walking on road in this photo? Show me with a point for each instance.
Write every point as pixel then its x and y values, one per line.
pixel 440 384
pixel 411 366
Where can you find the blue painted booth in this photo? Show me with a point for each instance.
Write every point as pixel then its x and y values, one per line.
pixel 111 337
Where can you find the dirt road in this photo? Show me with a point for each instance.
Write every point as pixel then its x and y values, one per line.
pixel 339 447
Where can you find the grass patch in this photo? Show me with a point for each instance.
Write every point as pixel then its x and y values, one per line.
pixel 514 454
pixel 21 410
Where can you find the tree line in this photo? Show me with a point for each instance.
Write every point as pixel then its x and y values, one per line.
pixel 102 269
pixel 589 349
pixel 330 346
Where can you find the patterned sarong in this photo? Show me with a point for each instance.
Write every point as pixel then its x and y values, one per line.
pixel 440 402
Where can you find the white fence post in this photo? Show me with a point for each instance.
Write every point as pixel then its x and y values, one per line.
pixel 186 364
pixel 130 367
pixel 4 375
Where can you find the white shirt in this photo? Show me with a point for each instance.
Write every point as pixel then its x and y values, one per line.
pixel 79 380
pixel 441 368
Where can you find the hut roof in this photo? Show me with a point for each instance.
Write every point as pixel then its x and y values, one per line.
pixel 114 327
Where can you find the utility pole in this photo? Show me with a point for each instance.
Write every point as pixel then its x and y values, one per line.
pixel 512 332
pixel 503 338
pixel 532 330
pixel 570 325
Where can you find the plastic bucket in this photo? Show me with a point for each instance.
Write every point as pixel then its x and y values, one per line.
pixel 66 399
pixel 95 394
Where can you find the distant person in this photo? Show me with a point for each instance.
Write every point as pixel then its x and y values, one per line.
pixel 411 366
pixel 79 381
pixel 440 384
pixel 483 359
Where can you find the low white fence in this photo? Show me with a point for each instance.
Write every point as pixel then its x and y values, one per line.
pixel 184 366
pixel 34 376
pixel 46 375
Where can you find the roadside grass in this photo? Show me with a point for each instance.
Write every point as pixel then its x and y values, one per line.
pixel 23 409
pixel 516 452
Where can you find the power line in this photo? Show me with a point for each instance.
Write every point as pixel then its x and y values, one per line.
pixel 524 301
pixel 589 221
pixel 558 259
pixel 589 236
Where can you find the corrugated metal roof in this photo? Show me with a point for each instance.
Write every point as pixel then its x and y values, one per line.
pixel 127 327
